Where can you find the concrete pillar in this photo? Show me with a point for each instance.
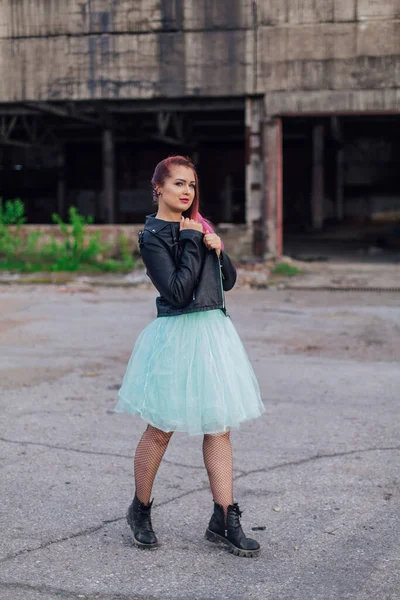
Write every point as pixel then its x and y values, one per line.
pixel 227 198
pixel 337 134
pixel 339 184
pixel 255 210
pixel 274 191
pixel 61 183
pixel 108 176
pixel 317 184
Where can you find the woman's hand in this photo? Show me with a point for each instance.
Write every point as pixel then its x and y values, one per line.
pixel 213 242
pixel 190 224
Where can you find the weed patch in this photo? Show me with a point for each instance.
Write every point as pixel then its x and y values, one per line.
pixel 74 250
pixel 286 269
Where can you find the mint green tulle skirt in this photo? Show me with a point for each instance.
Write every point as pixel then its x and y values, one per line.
pixel 191 373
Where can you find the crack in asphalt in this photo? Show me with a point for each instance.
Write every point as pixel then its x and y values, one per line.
pixel 45 589
pixel 242 474
pixel 95 528
pixel 89 530
pixel 303 461
pixel 177 464
pixel 94 452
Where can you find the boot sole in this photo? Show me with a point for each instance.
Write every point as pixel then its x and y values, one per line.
pixel 218 539
pixel 138 544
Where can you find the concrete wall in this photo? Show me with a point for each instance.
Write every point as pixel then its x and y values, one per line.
pixel 306 56
pixel 237 238
pixel 109 234
pixel 330 55
pixel 69 49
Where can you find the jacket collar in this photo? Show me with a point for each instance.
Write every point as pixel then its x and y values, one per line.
pixel 155 225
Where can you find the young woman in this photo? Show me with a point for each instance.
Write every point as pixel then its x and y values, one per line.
pixel 189 370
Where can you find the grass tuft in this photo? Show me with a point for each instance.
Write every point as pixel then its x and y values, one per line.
pixel 286 269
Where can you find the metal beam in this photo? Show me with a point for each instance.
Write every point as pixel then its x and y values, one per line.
pixel 16 109
pixel 27 131
pixel 58 111
pixel 83 110
pixel 203 105
pixel 163 121
pixel 170 140
pixel 219 122
pixel 16 143
pixel 166 139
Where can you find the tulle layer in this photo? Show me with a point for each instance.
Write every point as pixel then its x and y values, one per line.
pixel 191 373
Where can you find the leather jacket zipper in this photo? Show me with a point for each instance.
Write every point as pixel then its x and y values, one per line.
pixel 222 286
pixel 195 288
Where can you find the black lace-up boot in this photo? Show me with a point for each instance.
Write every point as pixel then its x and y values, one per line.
pixel 139 520
pixel 231 533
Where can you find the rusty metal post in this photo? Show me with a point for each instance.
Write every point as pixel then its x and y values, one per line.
pixel 317 184
pixel 108 176
pixel 274 189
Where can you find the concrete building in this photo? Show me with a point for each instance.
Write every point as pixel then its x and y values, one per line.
pixel 290 109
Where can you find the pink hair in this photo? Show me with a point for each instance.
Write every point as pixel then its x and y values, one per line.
pixel 162 172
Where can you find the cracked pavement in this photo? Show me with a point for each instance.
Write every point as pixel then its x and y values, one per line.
pixel 317 476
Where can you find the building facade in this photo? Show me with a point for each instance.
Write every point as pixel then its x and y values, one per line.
pixel 288 108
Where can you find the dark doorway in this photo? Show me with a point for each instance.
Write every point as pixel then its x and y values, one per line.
pixel 69 159
pixel 341 188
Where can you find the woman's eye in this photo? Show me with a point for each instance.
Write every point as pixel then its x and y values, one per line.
pixel 179 183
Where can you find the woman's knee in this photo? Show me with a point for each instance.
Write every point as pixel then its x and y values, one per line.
pixel 161 438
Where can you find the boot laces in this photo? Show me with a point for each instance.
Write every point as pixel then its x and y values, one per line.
pixel 144 515
pixel 237 513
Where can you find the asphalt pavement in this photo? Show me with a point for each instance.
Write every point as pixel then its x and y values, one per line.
pixel 317 476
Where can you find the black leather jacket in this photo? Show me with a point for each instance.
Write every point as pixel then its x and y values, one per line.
pixel 189 277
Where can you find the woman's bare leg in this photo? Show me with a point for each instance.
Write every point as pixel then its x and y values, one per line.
pixel 217 452
pixel 149 453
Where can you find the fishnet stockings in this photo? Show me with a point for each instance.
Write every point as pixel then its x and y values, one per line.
pixel 149 453
pixel 217 452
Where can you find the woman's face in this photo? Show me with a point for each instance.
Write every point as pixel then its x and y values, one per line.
pixel 178 190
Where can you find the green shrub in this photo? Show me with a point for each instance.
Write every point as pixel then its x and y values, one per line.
pixel 72 251
pixel 78 250
pixel 12 213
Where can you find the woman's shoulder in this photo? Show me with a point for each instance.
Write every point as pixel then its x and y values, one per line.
pixel 152 238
